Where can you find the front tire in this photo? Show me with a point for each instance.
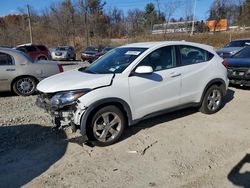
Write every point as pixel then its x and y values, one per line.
pixel 212 101
pixel 42 58
pixel 24 86
pixel 107 126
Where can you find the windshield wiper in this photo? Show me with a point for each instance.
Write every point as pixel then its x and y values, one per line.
pixel 83 69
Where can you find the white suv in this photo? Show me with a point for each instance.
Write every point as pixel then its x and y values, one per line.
pixel 134 82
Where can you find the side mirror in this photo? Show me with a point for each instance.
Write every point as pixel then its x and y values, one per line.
pixel 144 70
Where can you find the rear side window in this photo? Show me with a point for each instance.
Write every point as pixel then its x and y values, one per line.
pixel 244 53
pixel 30 48
pixel 6 59
pixel 193 55
pixel 42 48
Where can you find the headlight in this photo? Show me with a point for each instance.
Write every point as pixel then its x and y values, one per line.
pixel 62 99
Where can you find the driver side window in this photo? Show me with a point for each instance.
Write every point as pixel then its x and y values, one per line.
pixel 160 59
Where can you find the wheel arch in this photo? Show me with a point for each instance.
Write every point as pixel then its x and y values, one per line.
pixel 21 76
pixel 38 57
pixel 88 114
pixel 217 81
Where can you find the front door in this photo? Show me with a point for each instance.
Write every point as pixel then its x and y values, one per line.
pixel 157 91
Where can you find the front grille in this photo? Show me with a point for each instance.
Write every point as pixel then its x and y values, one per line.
pixel 58 53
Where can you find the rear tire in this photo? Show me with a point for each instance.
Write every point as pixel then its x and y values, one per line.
pixel 24 86
pixel 212 100
pixel 106 126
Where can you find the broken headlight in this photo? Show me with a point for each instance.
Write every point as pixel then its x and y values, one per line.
pixel 66 98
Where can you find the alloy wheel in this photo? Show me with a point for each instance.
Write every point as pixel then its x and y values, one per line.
pixel 107 126
pixel 214 100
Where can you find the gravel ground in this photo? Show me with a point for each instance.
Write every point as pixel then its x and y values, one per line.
pixel 181 149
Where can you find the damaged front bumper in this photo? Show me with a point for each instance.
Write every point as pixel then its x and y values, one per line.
pixel 62 115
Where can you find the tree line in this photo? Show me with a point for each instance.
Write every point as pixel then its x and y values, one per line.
pixel 84 22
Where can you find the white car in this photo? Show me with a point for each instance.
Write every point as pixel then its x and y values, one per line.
pixel 134 82
pixel 64 53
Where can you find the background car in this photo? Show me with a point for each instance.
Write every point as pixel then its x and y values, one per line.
pixel 36 52
pixel 64 53
pixel 239 67
pixel 89 54
pixel 20 73
pixel 104 51
pixel 233 47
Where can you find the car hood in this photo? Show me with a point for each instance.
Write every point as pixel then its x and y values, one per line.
pixel 229 49
pixel 73 80
pixel 238 62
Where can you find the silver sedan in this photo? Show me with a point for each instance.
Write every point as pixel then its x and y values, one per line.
pixel 19 73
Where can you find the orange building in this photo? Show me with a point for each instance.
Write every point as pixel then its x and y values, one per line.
pixel 217 25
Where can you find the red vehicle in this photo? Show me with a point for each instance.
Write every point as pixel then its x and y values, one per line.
pixel 104 51
pixel 36 52
pixel 89 54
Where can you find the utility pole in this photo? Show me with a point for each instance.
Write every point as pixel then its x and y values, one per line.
pixel 192 31
pixel 86 23
pixel 30 26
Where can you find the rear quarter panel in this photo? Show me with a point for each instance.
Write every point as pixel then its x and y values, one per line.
pixel 42 70
pixel 196 77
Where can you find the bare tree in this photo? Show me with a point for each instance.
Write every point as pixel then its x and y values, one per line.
pixel 170 7
pixel 135 22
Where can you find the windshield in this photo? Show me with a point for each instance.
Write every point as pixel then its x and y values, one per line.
pixel 62 49
pixel 244 53
pixel 239 43
pixel 91 49
pixel 115 61
pixel 107 49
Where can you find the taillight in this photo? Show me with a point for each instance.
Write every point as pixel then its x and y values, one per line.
pixel 225 63
pixel 60 68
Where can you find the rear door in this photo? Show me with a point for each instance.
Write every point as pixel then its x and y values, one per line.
pixel 157 91
pixel 7 71
pixel 195 70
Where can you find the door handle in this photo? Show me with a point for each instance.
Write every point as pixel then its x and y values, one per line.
pixel 174 74
pixel 10 69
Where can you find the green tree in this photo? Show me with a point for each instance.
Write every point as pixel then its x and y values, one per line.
pixel 150 16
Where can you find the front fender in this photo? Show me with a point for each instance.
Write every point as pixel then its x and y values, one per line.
pixel 104 102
